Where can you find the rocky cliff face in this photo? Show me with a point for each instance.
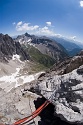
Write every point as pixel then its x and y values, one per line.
pixel 8 48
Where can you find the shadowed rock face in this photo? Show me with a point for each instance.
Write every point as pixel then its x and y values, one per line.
pixel 81 53
pixel 8 48
pixel 47 115
pixel 66 94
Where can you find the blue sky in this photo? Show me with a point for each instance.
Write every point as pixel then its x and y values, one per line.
pixel 42 17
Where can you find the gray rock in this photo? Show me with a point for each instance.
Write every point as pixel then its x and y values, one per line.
pixel 16 105
pixel 66 93
pixel 80 70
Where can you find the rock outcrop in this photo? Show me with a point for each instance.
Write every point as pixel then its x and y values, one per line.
pixel 17 104
pixel 66 93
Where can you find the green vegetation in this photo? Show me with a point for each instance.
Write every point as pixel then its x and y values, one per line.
pixel 37 67
pixel 44 61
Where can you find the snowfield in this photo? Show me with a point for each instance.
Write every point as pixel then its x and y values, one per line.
pixel 12 77
pixel 14 80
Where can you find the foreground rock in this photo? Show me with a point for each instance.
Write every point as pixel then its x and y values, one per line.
pixel 16 101
pixel 17 104
pixel 66 93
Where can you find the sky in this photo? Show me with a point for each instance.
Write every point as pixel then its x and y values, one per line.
pixel 62 18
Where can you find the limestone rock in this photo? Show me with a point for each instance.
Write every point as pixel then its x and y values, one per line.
pixel 16 105
pixel 66 93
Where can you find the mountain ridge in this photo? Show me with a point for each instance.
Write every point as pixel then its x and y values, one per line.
pixel 40 52
pixel 44 45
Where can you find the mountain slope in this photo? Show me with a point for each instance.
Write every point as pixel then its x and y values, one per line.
pixel 37 56
pixel 44 45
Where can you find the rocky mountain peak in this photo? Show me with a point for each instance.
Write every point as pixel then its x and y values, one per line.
pixel 8 48
pixel 28 35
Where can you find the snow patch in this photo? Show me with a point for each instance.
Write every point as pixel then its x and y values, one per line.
pixel 15 80
pixel 29 40
pixel 16 57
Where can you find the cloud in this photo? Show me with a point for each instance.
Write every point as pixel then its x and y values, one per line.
pixel 46 30
pixel 73 37
pixel 81 3
pixel 25 27
pixel 13 23
pixel 48 23
pixel 19 23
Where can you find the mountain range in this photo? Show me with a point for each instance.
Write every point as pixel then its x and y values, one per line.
pixel 46 47
pixel 41 52
pixel 73 47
